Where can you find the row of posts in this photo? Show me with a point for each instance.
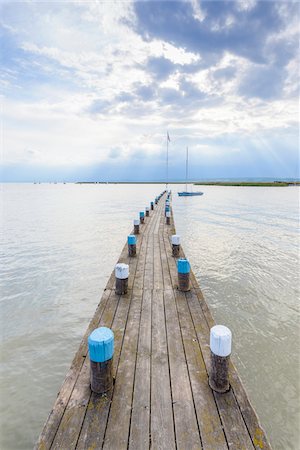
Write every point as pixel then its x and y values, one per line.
pixel 101 340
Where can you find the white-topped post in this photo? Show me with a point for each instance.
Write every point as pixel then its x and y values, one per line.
pixel 121 274
pixel 168 217
pixel 136 226
pixel 175 245
pixel 220 347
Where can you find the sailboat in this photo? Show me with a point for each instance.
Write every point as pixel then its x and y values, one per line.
pixel 187 193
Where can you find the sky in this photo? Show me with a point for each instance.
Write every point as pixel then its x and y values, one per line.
pixel 89 90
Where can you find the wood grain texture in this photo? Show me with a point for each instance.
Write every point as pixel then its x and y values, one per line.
pixel 161 398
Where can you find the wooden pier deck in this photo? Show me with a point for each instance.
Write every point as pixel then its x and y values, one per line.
pixel 161 398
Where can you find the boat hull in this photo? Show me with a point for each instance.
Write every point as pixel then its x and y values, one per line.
pixel 189 194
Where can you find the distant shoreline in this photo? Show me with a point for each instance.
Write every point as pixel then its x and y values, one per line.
pixel 205 183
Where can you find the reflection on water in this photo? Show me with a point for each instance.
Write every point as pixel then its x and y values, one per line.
pixel 60 243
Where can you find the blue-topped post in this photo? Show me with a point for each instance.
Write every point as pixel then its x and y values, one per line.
pixel 147 209
pixel 131 241
pixel 156 200
pixel 101 350
pixel 183 268
pixel 152 206
pixel 142 217
pixel 167 209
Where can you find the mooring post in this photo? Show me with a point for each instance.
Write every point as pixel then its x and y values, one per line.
pixel 136 226
pixel 175 245
pixel 101 350
pixel 121 273
pixel 131 241
pixel 183 267
pixel 156 200
pixel 220 350
pixel 147 211
pixel 142 217
pixel 152 206
pixel 168 217
pixel 167 209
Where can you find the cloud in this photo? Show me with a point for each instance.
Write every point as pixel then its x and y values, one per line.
pixel 100 82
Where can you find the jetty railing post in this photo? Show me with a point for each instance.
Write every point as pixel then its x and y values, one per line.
pixel 131 241
pixel 220 350
pixel 136 226
pixel 147 211
pixel 152 206
pixel 168 217
pixel 142 217
pixel 121 274
pixel 101 350
pixel 175 245
pixel 183 268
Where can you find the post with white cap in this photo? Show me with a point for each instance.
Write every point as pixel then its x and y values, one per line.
pixel 175 245
pixel 131 241
pixel 101 350
pixel 142 217
pixel 121 273
pixel 136 226
pixel 183 267
pixel 147 211
pixel 168 217
pixel 220 348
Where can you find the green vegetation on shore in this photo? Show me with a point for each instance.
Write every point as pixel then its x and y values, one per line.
pixel 247 183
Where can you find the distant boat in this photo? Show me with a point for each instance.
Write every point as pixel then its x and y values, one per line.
pixel 187 193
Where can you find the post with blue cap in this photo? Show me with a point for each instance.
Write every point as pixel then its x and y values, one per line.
pixel 142 217
pixel 136 226
pixel 121 274
pixel 183 267
pixel 220 350
pixel 101 350
pixel 152 206
pixel 131 241
pixel 147 211
pixel 175 245
pixel 168 217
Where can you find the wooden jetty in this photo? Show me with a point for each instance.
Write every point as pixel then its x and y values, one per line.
pixel 161 398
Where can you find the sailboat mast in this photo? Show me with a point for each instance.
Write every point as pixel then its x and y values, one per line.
pixel 186 168
pixel 167 161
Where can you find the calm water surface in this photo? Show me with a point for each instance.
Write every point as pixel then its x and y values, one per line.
pixel 59 245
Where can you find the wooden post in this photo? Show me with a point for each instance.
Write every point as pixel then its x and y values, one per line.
pixel 168 217
pixel 156 200
pixel 175 245
pixel 220 347
pixel 121 273
pixel 183 267
pixel 167 209
pixel 131 241
pixel 101 350
pixel 147 211
pixel 142 217
pixel 152 206
pixel 136 226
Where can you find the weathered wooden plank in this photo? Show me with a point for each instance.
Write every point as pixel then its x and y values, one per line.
pixel 140 419
pixel 162 424
pixel 50 428
pixel 211 429
pixel 94 425
pixel 235 430
pixel 70 425
pixel 186 426
pixel 117 432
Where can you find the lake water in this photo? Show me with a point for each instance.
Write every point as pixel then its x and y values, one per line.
pixel 59 245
